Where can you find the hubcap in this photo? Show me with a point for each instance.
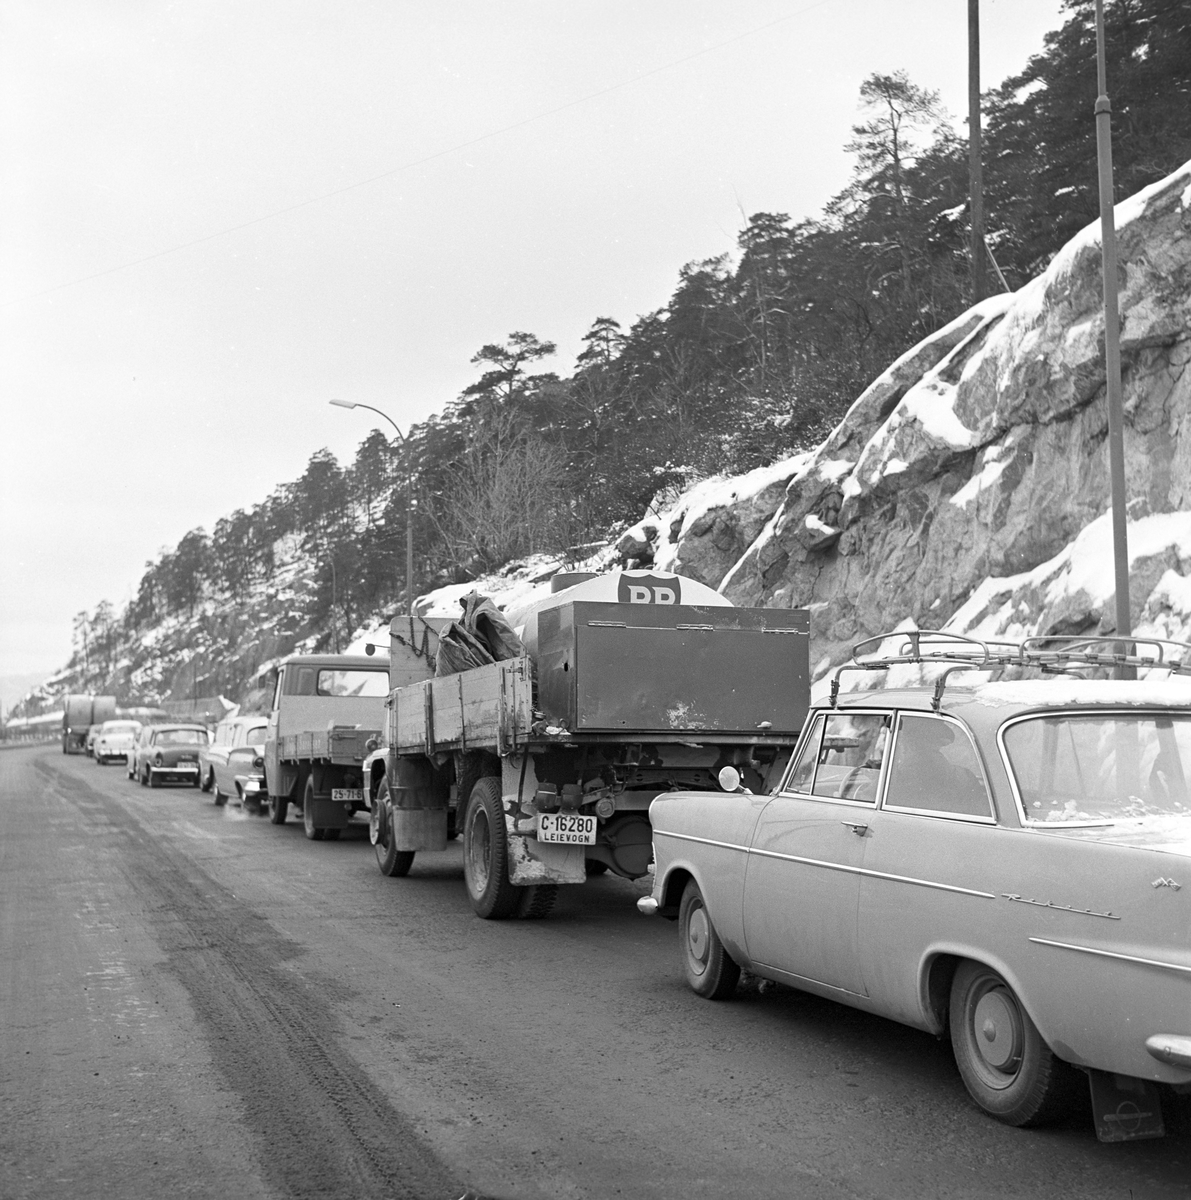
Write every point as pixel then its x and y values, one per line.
pixel 997 1025
pixel 478 848
pixel 697 936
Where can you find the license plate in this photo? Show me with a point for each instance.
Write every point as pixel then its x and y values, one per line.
pixel 347 794
pixel 569 828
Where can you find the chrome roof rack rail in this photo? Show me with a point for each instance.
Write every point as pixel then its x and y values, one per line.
pixel 930 646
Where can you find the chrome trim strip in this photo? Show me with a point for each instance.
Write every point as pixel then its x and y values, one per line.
pixel 1145 962
pixel 928 883
pixel 830 866
pixel 687 837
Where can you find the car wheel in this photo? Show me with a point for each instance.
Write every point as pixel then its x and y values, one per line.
pixel 278 808
pixel 485 854
pixel 710 970
pixel 312 832
pixel 1007 1068
pixel 220 798
pixel 209 782
pixel 144 776
pixel 153 780
pixel 392 862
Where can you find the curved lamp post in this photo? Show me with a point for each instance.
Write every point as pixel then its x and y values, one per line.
pixel 409 500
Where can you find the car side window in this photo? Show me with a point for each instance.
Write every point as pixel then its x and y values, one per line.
pixel 935 769
pixel 851 754
pixel 803 772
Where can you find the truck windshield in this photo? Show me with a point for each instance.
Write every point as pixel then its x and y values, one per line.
pixel 353 683
pixel 1100 768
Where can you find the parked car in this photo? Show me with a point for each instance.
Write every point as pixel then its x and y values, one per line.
pixel 167 754
pixel 114 740
pixel 226 762
pixel 1007 863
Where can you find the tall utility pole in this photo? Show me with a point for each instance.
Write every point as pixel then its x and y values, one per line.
pixel 975 166
pixel 1112 341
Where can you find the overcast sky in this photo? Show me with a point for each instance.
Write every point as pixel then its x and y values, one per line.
pixel 216 216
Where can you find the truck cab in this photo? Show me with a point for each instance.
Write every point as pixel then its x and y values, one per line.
pixel 327 712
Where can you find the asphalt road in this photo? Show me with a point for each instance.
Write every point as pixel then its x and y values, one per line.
pixel 197 1003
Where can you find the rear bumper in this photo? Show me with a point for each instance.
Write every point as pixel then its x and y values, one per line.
pixel 1171 1048
pixel 181 773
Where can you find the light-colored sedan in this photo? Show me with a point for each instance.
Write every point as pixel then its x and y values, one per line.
pixel 167 754
pixel 114 740
pixel 1008 864
pixel 229 762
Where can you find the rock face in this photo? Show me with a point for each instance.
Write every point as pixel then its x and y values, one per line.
pixel 966 487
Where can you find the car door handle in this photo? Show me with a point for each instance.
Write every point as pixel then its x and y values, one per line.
pixel 856 827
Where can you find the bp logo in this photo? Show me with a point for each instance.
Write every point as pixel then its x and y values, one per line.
pixel 648 589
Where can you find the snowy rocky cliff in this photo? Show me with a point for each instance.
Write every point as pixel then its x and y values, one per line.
pixel 968 486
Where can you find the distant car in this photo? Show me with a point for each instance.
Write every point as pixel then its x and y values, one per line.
pixel 89 740
pixel 114 740
pixel 226 762
pixel 1007 863
pixel 167 754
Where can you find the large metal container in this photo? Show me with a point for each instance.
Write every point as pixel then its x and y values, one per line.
pixel 670 668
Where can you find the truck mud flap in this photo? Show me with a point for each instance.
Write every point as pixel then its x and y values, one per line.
pixel 329 815
pixel 419 828
pixel 532 862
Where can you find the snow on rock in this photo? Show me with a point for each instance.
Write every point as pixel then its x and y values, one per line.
pixel 968 484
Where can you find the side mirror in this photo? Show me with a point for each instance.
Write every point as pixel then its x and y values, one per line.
pixel 729 779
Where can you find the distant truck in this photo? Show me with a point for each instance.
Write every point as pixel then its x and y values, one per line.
pixel 327 714
pixel 79 713
pixel 634 684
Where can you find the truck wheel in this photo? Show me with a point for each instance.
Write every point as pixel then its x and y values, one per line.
pixel 312 833
pixel 538 901
pixel 393 862
pixel 486 855
pixel 278 807
pixel 710 971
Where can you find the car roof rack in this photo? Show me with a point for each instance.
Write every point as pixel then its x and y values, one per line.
pixel 1050 653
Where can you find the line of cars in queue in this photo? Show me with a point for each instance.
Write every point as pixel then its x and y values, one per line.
pixel 227 761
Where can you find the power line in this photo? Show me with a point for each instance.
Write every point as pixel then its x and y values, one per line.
pixel 418 162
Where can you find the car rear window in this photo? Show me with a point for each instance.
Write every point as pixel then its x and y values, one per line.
pixel 180 737
pixel 1101 767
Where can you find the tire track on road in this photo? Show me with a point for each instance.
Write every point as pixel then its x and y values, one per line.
pixel 322 1127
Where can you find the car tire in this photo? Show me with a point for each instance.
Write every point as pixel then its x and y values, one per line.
pixel 278 809
pixel 313 833
pixel 710 970
pixel 1007 1068
pixel 219 797
pixel 391 861
pixel 485 854
pixel 144 777
pixel 209 782
pixel 153 780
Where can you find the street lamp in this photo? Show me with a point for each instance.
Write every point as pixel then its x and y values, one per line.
pixel 409 498
pixel 1112 349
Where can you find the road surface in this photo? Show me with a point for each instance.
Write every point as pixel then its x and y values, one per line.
pixel 197 1003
